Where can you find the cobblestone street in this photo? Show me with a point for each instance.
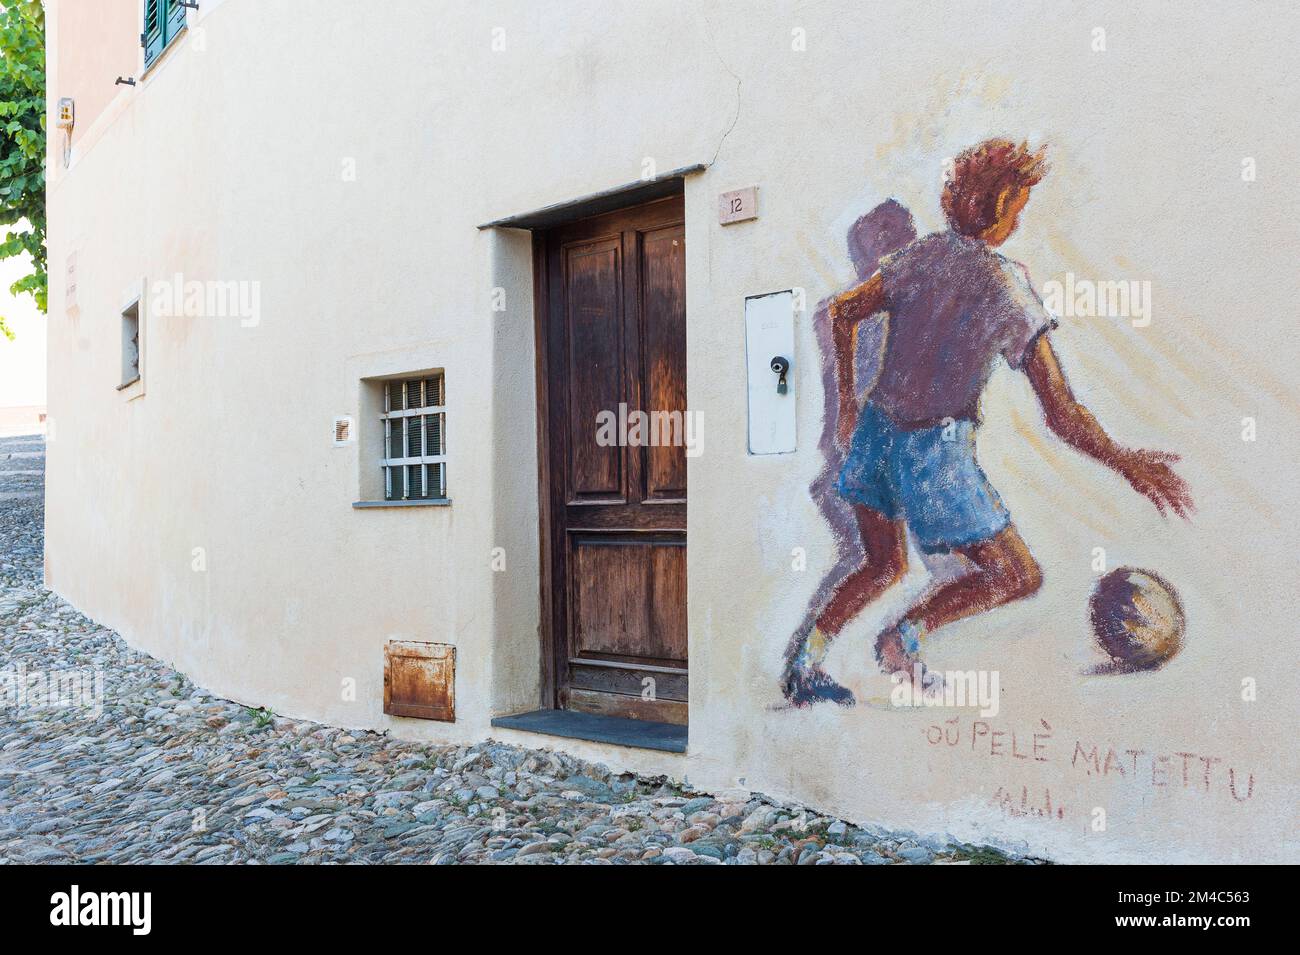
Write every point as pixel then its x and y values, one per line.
pixel 169 773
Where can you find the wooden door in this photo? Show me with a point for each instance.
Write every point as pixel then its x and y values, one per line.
pixel 612 342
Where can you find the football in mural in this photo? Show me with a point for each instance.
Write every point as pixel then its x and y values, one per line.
pixel 1137 618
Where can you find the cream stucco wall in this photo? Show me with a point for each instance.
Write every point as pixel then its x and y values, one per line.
pixel 342 162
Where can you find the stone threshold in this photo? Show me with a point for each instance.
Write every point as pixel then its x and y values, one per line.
pixel 640 734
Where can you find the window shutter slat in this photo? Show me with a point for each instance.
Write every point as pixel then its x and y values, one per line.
pixel 414 439
pixel 175 18
pixel 153 29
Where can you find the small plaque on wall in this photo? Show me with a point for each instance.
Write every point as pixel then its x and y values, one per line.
pixel 70 284
pixel 740 205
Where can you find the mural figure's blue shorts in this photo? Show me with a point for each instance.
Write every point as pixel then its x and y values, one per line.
pixel 934 484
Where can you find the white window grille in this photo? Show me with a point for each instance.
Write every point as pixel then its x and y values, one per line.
pixel 415 439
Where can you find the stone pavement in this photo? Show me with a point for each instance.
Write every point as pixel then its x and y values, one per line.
pixel 170 773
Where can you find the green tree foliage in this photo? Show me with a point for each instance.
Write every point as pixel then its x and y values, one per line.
pixel 22 143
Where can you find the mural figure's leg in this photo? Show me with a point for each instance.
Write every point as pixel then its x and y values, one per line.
pixel 884 544
pixel 884 562
pixel 1003 570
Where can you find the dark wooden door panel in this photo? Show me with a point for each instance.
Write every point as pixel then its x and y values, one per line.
pixel 663 331
pixel 593 372
pixel 613 676
pixel 629 600
pixel 612 337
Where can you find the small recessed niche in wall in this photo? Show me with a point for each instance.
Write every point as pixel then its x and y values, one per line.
pixel 130 345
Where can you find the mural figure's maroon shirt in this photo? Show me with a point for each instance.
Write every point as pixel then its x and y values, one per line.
pixel 954 305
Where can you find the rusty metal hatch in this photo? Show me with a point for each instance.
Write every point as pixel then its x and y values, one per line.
pixel 420 680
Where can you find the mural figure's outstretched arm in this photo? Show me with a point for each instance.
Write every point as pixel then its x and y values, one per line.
pixel 847 311
pixel 1149 472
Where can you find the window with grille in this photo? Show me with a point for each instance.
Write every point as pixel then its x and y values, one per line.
pixel 415 439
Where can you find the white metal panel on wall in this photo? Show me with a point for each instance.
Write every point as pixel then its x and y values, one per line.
pixel 769 356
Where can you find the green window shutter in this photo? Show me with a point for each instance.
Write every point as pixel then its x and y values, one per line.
pixel 175 19
pixel 153 37
pixel 163 22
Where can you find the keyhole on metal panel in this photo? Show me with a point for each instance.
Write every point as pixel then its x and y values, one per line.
pixel 780 366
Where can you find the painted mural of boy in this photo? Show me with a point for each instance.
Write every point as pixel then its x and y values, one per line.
pixel 953 305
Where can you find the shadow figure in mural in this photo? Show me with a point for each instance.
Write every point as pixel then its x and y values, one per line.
pixel 950 305
pixel 885 229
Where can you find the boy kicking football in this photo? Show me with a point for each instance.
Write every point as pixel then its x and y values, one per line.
pixel 953 305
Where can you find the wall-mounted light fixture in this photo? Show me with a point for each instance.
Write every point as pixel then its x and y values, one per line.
pixel 124 81
pixel 67 118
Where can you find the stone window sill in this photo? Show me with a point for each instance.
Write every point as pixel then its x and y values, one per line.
pixel 430 502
